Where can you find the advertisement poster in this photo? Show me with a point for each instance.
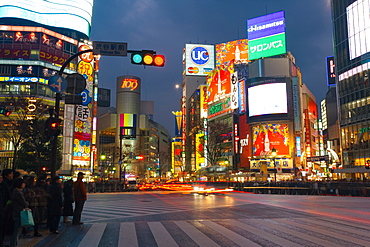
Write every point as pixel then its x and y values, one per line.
pixel 269 136
pixel 235 51
pixel 219 85
pixel 199 59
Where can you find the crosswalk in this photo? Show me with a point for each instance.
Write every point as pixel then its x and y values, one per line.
pixel 301 231
pixel 120 210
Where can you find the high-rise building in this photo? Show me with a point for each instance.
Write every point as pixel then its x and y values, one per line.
pixel 36 39
pixel 351 35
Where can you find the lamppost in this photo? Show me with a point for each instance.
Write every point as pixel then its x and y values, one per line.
pixel 124 175
pixel 273 153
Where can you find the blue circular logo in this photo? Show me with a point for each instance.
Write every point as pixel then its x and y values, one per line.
pixel 199 55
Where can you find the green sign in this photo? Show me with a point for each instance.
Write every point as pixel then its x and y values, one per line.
pixel 267 46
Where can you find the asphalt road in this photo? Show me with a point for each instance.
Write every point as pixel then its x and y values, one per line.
pixel 231 219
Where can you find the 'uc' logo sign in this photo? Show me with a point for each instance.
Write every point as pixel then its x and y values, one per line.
pixel 199 55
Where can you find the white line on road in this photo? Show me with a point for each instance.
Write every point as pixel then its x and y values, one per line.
pixel 93 236
pixel 236 238
pixel 161 235
pixel 127 235
pixel 200 238
pixel 266 235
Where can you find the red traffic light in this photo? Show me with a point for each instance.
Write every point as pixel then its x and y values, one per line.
pixel 159 60
pixel 44 168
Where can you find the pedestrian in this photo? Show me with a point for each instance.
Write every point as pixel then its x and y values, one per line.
pixel 42 201
pixel 4 197
pixel 19 203
pixel 55 205
pixel 79 191
pixel 32 199
pixel 68 200
pixel 8 177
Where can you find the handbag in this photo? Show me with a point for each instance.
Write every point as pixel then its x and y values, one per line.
pixel 26 218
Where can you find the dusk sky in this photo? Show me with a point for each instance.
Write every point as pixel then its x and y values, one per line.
pixel 167 25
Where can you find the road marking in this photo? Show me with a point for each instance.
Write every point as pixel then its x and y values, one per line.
pixel 236 238
pixel 325 232
pixel 264 234
pixel 292 232
pixel 127 235
pixel 161 235
pixel 93 236
pixel 200 238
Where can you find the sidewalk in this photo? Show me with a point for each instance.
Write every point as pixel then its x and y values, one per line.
pixel 32 241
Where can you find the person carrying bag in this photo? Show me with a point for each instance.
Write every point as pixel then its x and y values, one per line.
pixel 26 218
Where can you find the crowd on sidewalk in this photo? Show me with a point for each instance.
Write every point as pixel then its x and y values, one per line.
pixel 47 198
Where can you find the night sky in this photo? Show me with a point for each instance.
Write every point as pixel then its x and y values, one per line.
pixel 167 25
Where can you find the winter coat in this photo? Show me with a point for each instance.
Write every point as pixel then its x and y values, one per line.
pixel 68 199
pixel 18 202
pixel 79 190
pixel 56 200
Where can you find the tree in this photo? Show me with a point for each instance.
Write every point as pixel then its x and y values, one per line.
pixel 18 127
pixel 219 131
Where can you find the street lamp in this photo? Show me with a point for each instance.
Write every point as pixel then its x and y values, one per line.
pixel 273 153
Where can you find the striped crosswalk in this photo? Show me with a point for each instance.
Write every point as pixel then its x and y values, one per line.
pixel 303 231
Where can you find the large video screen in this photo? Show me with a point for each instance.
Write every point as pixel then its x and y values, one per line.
pixel 358 28
pixel 71 14
pixel 268 98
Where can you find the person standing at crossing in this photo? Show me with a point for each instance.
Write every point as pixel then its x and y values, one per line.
pixel 80 198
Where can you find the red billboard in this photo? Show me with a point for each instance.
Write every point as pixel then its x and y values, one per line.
pixel 235 51
pixel 269 136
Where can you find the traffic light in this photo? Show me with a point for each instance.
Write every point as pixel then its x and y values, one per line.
pixel 147 57
pixel 52 126
pixel 367 164
pixel 5 111
pixel 43 169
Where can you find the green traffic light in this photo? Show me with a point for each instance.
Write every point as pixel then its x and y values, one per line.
pixel 137 58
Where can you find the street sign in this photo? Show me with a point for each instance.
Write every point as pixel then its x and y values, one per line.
pixel 110 48
pixel 318 158
pixel 76 83
pixel 57 84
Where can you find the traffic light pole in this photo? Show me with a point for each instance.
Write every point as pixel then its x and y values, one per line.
pixel 54 149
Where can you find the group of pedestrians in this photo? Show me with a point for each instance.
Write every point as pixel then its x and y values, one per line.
pixel 47 199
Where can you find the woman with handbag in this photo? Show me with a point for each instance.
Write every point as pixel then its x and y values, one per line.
pixel 19 203
pixel 32 199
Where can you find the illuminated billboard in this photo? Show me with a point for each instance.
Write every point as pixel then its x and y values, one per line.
pixel 270 98
pixel 266 35
pixel 330 71
pixel 199 59
pixel 71 14
pixel 236 51
pixel 358 27
pixel 269 136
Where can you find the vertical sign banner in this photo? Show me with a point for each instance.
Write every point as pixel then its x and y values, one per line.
pixel 296 104
pixel 242 96
pixel 234 91
pixel 330 71
pixel 266 35
pixel 84 113
pixel 199 154
pixel 203 101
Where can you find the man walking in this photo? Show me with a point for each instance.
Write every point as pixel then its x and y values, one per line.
pixel 80 198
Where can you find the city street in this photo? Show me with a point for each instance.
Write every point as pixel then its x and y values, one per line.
pixel 231 219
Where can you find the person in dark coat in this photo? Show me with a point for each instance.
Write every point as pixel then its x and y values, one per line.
pixel 68 200
pixel 7 183
pixel 80 195
pixel 4 197
pixel 41 189
pixel 32 199
pixel 55 205
pixel 19 203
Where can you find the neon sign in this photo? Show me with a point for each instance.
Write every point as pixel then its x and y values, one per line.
pixel 129 83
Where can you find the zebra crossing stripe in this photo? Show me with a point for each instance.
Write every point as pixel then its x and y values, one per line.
pixel 93 236
pixel 273 224
pixel 127 235
pixel 200 238
pixel 325 232
pixel 161 235
pixel 266 235
pixel 338 226
pixel 236 238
